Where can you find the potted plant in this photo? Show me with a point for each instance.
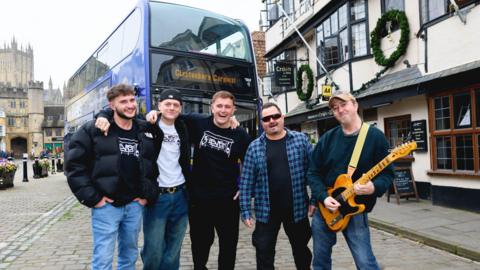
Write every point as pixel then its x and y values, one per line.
pixel 7 173
pixel 45 165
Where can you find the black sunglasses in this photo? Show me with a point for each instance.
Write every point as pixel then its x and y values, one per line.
pixel 273 116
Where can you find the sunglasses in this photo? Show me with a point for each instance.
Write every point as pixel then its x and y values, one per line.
pixel 269 117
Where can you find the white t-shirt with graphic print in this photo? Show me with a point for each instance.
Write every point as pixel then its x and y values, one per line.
pixel 168 160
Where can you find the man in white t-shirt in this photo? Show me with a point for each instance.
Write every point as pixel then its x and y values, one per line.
pixel 165 222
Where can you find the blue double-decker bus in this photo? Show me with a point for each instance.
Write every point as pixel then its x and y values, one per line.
pixel 162 45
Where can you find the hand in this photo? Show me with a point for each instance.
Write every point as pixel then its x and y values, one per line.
pixel 366 189
pixel 141 201
pixel 234 122
pixel 152 116
pixel 236 195
pixel 249 222
pixel 103 201
pixel 102 124
pixel 331 204
pixel 311 210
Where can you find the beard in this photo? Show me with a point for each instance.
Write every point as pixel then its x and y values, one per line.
pixel 124 116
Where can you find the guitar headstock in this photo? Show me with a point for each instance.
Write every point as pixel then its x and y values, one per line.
pixel 403 149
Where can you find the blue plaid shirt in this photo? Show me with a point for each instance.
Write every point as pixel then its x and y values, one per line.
pixel 254 178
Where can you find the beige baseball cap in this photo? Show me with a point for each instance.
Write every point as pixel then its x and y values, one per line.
pixel 342 95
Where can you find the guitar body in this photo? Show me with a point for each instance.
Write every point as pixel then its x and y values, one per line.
pixel 338 220
pixel 344 193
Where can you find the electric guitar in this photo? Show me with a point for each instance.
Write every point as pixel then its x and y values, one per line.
pixel 344 193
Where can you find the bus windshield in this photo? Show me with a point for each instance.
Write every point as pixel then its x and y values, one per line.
pixel 200 31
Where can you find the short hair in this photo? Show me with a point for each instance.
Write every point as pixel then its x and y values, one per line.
pixel 120 90
pixel 223 94
pixel 269 105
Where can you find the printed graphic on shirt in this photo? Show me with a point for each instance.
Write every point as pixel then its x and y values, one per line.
pixel 171 138
pixel 216 142
pixel 128 147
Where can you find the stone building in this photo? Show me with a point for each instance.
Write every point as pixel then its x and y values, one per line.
pixel 53 122
pixel 16 64
pixel 23 109
pixel 23 103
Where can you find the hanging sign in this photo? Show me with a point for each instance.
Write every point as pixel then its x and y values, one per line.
pixel 284 74
pixel 326 91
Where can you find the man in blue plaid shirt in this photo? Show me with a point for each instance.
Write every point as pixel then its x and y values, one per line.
pixel 274 173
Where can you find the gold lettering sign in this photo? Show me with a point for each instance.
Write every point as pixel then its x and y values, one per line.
pixel 204 77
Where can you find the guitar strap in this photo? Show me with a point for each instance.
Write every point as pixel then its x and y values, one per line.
pixel 362 135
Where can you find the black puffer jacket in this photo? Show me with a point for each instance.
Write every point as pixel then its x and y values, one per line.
pixel 92 163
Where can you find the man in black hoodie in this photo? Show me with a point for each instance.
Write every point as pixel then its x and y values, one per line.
pixel 115 176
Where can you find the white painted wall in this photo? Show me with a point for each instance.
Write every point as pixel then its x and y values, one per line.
pixel 417 108
pixel 451 43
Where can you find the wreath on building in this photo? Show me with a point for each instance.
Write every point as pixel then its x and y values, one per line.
pixel 308 71
pixel 375 40
pixel 376 36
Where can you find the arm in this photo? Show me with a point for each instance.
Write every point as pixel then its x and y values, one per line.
pixel 308 151
pixel 315 176
pixel 247 184
pixel 190 118
pixel 78 167
pixel 104 117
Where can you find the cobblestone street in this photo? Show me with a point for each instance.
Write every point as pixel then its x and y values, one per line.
pixel 44 227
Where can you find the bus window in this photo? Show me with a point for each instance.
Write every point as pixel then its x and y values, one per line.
pixel 200 31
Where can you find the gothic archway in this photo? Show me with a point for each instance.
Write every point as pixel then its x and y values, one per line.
pixel 18 146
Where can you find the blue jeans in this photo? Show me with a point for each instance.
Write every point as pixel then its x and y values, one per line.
pixel 110 223
pixel 357 235
pixel 164 227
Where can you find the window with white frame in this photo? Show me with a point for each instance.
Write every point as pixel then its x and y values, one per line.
pixel 333 44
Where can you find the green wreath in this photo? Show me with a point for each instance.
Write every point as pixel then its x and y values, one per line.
pixel 401 19
pixel 304 96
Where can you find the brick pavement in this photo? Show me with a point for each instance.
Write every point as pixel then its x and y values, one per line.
pixel 64 240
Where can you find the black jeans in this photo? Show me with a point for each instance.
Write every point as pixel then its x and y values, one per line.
pixel 205 218
pixel 265 239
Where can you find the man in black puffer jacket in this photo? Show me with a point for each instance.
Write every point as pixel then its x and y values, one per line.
pixel 115 175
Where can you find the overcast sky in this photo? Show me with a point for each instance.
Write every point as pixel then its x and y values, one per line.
pixel 64 33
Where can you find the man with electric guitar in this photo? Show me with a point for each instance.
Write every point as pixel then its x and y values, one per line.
pixel 352 152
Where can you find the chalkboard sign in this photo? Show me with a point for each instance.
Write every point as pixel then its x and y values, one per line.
pixel 419 134
pixel 404 184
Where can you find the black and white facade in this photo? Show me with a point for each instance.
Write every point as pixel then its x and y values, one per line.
pixel 435 85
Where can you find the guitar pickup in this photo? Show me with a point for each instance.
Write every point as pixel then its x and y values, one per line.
pixel 335 220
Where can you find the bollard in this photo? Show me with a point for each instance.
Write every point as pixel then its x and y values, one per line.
pixel 25 174
pixel 53 165
pixel 36 168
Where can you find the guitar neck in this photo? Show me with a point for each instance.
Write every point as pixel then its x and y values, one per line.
pixel 347 193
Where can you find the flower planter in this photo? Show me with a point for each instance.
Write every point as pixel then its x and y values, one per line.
pixel 37 170
pixel 44 172
pixel 6 179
